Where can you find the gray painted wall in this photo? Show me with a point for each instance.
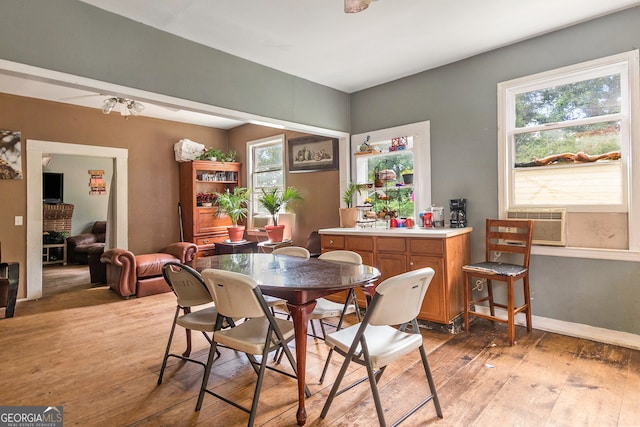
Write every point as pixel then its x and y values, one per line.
pixel 76 38
pixel 87 208
pixel 460 100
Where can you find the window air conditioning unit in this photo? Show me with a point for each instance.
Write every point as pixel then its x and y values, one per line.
pixel 548 224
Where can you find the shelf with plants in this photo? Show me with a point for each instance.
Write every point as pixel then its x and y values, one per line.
pixel 388 193
pixel 200 182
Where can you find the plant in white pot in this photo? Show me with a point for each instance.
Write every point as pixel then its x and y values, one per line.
pixel 234 205
pixel 274 201
pixel 349 215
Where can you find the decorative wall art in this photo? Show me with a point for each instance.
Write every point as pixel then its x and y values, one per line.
pixel 96 183
pixel 313 154
pixel 10 156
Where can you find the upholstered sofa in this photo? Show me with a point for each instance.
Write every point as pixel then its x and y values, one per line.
pixel 141 275
pixel 78 246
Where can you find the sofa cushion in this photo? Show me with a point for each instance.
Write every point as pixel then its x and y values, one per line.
pixel 100 229
pixel 149 265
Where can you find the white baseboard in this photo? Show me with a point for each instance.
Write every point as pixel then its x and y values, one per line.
pixel 571 329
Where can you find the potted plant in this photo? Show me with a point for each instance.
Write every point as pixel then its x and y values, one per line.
pixel 211 154
pixel 234 205
pixel 273 201
pixel 230 156
pixel 205 199
pixel 407 176
pixel 349 215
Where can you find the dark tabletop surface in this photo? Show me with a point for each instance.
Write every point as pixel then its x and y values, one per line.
pixel 279 275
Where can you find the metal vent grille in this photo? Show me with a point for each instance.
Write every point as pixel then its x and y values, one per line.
pixel 549 224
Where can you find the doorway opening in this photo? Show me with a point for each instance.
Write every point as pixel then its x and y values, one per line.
pixel 117 229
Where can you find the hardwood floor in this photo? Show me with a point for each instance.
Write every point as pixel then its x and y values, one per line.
pixel 57 278
pixel 99 356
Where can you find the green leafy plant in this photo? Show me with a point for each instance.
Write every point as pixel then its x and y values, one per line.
pixel 53 237
pixel 230 156
pixel 273 200
pixel 351 190
pixel 233 203
pixel 210 153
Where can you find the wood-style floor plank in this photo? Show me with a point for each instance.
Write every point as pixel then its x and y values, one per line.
pixel 630 411
pixel 596 382
pixel 99 356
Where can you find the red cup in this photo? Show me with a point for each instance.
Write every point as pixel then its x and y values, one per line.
pixel 393 223
pixel 426 220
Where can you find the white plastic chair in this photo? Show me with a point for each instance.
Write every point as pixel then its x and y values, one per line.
pixel 375 343
pixel 326 309
pixel 238 296
pixel 190 291
pixel 298 251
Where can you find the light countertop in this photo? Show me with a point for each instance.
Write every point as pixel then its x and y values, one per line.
pixel 399 232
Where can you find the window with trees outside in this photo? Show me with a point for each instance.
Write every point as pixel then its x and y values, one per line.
pixel 265 169
pixel 566 141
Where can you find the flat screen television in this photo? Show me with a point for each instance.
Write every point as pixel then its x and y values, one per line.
pixel 52 187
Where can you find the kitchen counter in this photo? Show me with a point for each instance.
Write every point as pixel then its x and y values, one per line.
pixel 419 232
pixel 397 250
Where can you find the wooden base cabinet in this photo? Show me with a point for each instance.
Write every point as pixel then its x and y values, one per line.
pixel 446 254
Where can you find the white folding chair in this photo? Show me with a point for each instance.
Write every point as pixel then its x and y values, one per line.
pixel 238 296
pixel 375 343
pixel 190 291
pixel 298 251
pixel 326 309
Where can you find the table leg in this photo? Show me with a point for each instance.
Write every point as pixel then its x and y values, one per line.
pixel 300 315
pixel 187 352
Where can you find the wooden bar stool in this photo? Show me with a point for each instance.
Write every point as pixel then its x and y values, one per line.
pixel 510 239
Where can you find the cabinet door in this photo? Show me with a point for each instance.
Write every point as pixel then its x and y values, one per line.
pixel 390 264
pixel 208 222
pixel 328 241
pixel 434 303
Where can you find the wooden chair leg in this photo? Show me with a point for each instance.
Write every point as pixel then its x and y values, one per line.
pixel 467 300
pixel 492 308
pixel 511 326
pixel 527 301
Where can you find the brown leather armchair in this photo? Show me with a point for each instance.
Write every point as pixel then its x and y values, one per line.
pixel 78 247
pixel 141 275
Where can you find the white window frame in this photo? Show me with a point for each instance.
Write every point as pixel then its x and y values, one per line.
pixel 630 129
pixel 259 143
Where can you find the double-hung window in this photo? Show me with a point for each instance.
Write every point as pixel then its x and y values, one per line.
pixel 266 169
pixel 568 139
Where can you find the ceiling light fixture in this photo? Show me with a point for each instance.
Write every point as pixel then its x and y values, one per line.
pixel 355 6
pixel 127 106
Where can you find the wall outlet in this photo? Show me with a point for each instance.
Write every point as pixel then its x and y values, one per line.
pixel 18 220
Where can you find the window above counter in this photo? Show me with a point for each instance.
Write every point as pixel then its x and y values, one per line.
pixel 396 165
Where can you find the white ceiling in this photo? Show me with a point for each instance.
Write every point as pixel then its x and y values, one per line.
pixel 317 41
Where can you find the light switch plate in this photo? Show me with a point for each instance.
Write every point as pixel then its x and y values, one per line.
pixel 18 220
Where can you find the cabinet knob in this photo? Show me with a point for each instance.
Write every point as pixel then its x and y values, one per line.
pixel 205 241
pixel 411 263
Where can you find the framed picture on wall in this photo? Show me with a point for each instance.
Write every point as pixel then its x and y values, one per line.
pixel 10 155
pixel 313 154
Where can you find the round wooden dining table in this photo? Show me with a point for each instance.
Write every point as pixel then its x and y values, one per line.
pixel 299 281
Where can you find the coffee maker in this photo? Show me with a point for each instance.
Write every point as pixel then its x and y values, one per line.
pixel 458 215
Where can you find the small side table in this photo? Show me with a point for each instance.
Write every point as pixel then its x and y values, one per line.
pixel 55 253
pixel 268 246
pixel 236 247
